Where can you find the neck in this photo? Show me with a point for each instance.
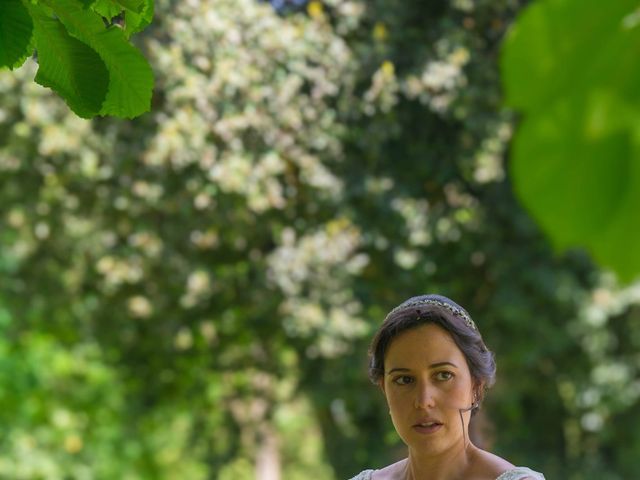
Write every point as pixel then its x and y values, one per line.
pixel 449 465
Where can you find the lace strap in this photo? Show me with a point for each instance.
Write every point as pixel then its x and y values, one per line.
pixel 520 472
pixel 364 475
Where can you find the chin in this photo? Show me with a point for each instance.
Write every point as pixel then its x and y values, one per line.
pixel 432 445
pixel 424 449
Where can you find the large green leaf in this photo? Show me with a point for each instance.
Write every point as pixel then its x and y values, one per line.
pixel 68 66
pixel 130 76
pixel 16 30
pixel 571 68
pixel 556 46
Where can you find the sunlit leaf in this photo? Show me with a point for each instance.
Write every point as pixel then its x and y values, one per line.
pixel 69 67
pixel 130 76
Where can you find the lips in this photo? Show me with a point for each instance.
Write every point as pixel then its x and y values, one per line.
pixel 427 426
pixel 427 422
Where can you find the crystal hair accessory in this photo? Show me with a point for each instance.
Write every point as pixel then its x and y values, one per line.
pixel 458 312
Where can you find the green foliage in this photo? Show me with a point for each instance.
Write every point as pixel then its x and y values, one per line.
pixel 138 20
pixel 60 408
pixel 58 54
pixel 93 67
pixel 16 30
pixel 137 14
pixel 569 67
pixel 224 261
pixel 130 77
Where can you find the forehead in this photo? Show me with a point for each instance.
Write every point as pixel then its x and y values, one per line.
pixel 422 345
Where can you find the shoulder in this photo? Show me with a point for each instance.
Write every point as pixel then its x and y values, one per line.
pixel 492 466
pixel 498 468
pixel 488 465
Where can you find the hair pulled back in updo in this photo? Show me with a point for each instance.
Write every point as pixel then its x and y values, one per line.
pixel 444 312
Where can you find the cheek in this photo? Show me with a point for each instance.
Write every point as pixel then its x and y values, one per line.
pixel 396 399
pixel 460 392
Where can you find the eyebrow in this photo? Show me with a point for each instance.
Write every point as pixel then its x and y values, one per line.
pixel 433 365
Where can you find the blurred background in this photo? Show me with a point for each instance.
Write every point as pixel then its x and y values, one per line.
pixel 190 294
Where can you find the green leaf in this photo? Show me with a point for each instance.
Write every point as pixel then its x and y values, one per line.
pixel 16 31
pixel 68 66
pixel 583 188
pixel 130 76
pixel 134 5
pixel 113 8
pixel 556 46
pixel 107 8
pixel 135 22
pixel 571 68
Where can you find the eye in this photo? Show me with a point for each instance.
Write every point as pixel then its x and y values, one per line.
pixel 444 376
pixel 403 380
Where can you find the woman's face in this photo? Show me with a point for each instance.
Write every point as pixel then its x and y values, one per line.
pixel 426 383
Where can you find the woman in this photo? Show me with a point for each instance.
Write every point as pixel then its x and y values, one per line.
pixel 433 368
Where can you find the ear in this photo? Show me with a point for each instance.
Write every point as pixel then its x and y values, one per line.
pixel 477 390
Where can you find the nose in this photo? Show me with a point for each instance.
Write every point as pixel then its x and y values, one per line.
pixel 424 397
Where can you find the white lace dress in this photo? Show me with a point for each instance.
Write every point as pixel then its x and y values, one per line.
pixel 517 473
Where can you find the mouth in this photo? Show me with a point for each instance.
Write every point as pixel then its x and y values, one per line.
pixel 427 428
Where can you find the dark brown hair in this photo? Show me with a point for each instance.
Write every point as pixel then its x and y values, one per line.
pixel 444 312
